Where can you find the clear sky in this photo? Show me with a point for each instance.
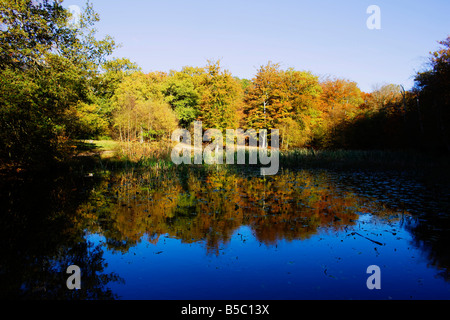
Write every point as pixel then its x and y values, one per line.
pixel 322 36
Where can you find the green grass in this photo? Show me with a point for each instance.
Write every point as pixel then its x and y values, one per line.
pixel 110 155
pixel 106 145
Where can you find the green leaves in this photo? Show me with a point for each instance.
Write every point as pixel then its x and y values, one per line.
pixel 220 98
pixel 140 112
pixel 46 69
pixel 181 93
pixel 32 30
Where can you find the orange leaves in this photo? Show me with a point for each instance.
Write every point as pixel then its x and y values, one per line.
pixel 277 94
pixel 340 95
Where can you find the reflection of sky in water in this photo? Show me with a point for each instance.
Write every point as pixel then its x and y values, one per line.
pixel 326 266
pixel 221 234
pixel 330 263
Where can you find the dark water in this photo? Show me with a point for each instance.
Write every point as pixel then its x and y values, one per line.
pixel 196 234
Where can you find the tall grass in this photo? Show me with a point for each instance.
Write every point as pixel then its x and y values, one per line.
pixel 136 151
pixel 156 157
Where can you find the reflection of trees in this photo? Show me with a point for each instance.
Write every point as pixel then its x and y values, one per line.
pixel 430 232
pixel 210 207
pixel 428 220
pixel 41 236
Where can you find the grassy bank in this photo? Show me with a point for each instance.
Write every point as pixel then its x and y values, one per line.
pixel 107 156
pixel 113 154
pixel 148 153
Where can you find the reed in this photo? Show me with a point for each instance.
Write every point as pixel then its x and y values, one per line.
pixel 155 157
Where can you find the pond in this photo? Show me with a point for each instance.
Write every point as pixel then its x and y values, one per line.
pixel 220 234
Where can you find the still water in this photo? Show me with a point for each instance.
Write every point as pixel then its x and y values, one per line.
pixel 221 234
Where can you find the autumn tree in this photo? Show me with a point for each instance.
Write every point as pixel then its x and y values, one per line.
pixel 341 98
pixel 277 96
pixel 140 111
pixel 384 96
pixel 264 98
pixel 220 94
pixel 340 102
pixel 302 93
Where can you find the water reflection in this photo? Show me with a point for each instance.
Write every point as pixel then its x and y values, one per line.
pixel 41 235
pixel 431 234
pixel 49 224
pixel 429 206
pixel 195 207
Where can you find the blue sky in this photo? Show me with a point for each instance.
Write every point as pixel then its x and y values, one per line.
pixel 322 36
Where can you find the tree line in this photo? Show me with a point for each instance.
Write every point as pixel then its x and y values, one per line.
pixel 58 85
